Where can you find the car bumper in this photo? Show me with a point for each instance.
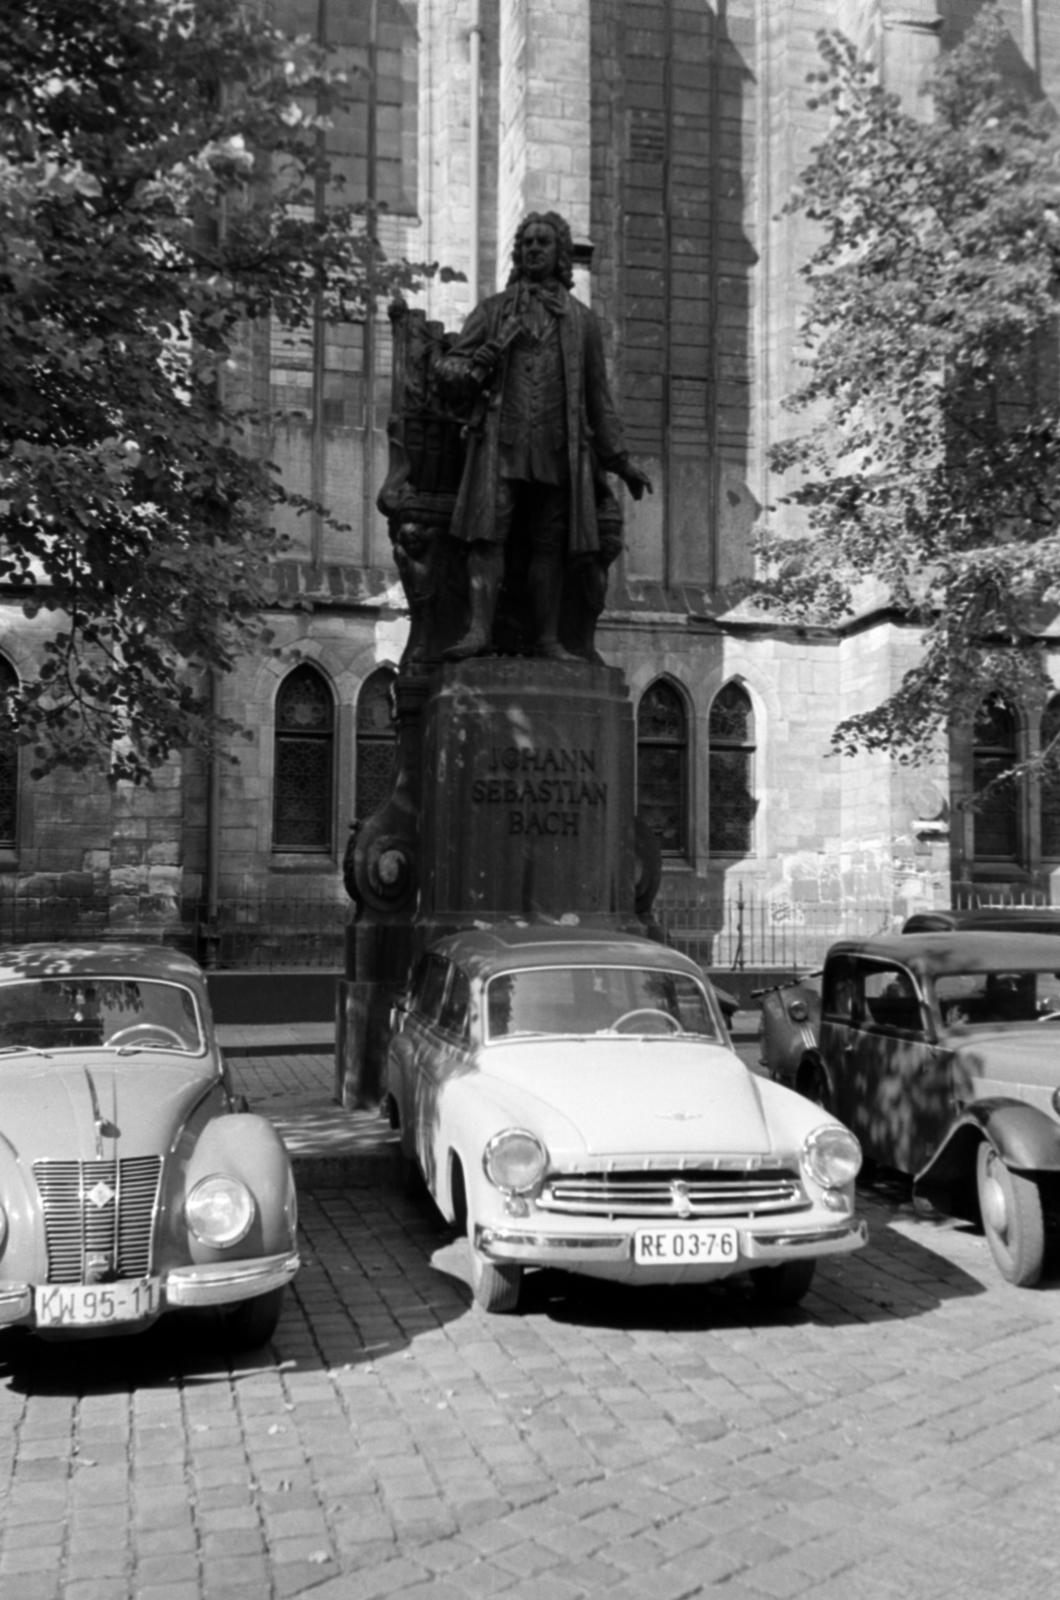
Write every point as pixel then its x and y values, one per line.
pixel 217 1284
pixel 224 1282
pixel 760 1247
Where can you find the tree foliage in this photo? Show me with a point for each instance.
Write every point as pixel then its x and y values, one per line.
pixel 161 173
pixel 927 462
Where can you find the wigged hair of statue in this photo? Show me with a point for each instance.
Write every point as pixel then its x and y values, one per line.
pixel 564 239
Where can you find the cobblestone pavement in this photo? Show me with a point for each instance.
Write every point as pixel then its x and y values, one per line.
pixel 896 1437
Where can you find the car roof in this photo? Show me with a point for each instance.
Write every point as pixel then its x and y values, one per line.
pixel 487 951
pixel 956 951
pixel 102 960
pixel 1018 919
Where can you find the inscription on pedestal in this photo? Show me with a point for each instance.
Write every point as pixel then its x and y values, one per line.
pixel 528 792
pixel 544 791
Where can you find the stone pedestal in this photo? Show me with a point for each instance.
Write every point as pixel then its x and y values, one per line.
pixel 512 798
pixel 362 1028
pixel 527 794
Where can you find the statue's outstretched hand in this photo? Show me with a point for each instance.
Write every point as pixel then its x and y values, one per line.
pixel 635 480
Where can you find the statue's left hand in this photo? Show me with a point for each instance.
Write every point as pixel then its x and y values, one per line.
pixel 635 480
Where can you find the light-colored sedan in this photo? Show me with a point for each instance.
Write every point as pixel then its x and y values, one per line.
pixel 130 1181
pixel 572 1099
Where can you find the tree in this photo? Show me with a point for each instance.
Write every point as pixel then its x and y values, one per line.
pixel 161 171
pixel 927 468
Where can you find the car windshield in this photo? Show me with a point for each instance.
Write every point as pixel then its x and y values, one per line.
pixel 589 1000
pixel 88 1013
pixel 973 999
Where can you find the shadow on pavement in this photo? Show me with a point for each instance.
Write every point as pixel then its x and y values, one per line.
pixel 182 1348
pixel 893 1277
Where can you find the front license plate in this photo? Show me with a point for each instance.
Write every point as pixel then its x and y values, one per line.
pixel 75 1305
pixel 689 1246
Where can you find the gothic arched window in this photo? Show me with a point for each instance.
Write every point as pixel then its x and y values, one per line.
pixel 1050 786
pixel 303 783
pixel 732 749
pixel 8 766
pixel 995 749
pixel 662 767
pixel 376 743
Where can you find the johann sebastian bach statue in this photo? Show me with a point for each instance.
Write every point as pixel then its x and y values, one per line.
pixel 534 505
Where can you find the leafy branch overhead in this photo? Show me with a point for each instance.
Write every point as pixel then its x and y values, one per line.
pixel 161 175
pixel 926 463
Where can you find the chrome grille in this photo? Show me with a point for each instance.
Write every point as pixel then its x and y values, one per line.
pixel 98 1208
pixel 680 1195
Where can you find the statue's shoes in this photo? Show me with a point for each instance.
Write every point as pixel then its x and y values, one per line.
pixel 550 650
pixel 472 644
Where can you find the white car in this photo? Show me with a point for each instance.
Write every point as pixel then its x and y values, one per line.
pixel 572 1099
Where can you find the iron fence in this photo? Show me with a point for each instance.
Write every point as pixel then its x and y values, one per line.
pixel 739 928
pixel 247 931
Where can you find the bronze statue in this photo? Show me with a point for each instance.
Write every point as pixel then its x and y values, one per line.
pixel 542 434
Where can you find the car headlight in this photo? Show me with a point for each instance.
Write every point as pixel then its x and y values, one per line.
pixel 515 1161
pixel 219 1211
pixel 832 1156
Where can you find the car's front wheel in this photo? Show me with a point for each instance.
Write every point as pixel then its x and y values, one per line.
pixel 1013 1219
pixel 779 1287
pixel 251 1323
pixel 495 1285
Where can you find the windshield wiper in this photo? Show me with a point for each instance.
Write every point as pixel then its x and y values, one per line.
pixel 24 1049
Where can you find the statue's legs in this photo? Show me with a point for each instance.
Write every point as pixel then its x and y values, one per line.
pixel 485 568
pixel 549 511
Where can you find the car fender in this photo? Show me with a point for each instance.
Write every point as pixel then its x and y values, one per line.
pixel 1025 1138
pixel 246 1147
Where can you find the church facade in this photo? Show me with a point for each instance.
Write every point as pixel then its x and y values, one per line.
pixel 670 134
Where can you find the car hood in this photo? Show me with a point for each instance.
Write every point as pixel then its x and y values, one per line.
pixel 627 1096
pixel 97 1104
pixel 1024 1055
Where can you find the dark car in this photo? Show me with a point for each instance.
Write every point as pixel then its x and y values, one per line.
pixel 942 1054
pixel 790 1018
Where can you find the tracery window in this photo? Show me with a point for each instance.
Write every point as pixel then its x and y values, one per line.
pixel 303 785
pixel 994 750
pixel 376 743
pixel 1050 785
pixel 8 767
pixel 732 749
pixel 662 767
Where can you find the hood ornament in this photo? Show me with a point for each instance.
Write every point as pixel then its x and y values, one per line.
pixel 680 1116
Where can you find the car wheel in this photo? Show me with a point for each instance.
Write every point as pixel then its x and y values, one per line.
pixel 407 1174
pixel 251 1323
pixel 495 1287
pixel 1013 1221
pixel 812 1083
pixel 779 1287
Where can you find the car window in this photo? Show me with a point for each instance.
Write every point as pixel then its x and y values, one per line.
pixel 974 998
pixel 454 1013
pixel 585 1000
pixel 90 1013
pixel 430 991
pixel 876 993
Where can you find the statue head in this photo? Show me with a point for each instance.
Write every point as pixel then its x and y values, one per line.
pixel 564 246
